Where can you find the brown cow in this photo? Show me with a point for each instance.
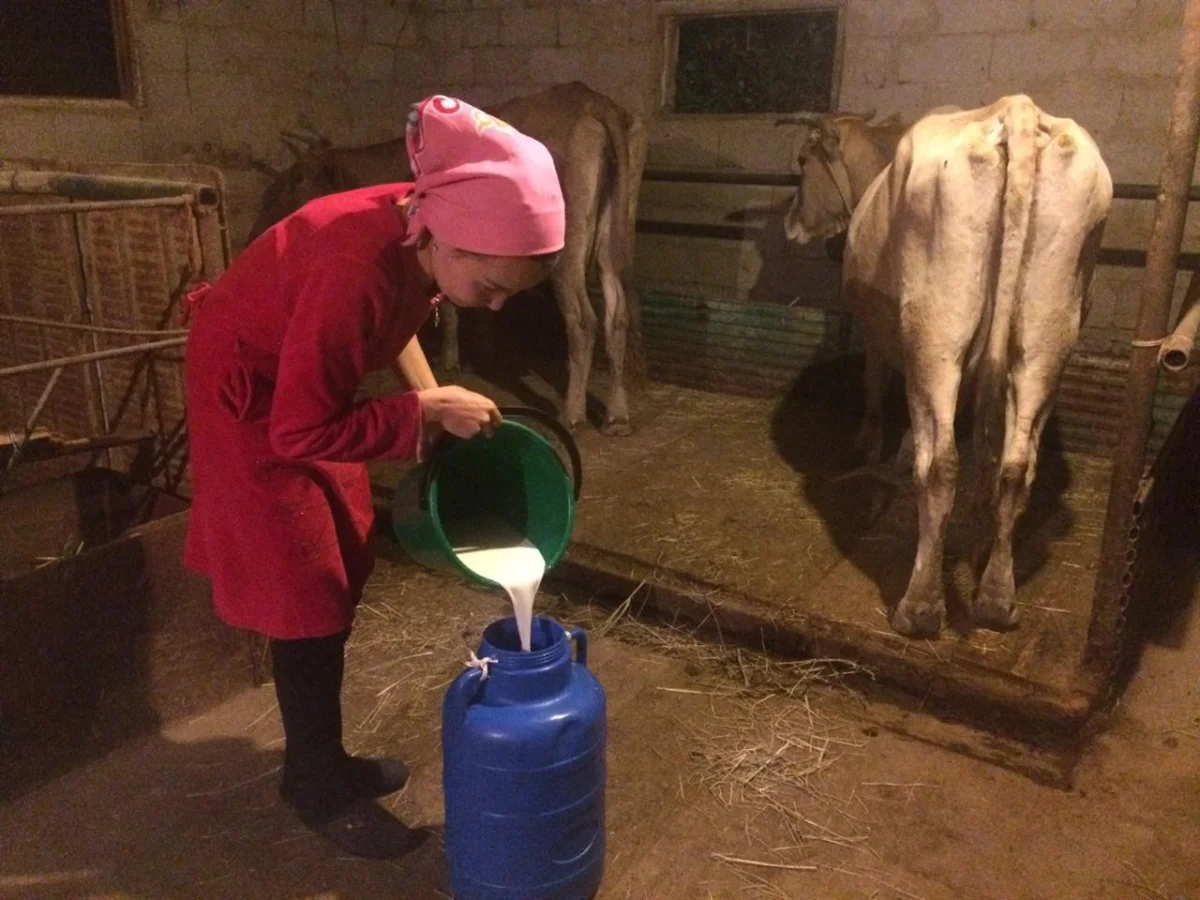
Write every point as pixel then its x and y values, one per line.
pixel 600 150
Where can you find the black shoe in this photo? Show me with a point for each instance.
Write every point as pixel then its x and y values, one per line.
pixel 366 829
pixel 356 778
pixel 376 777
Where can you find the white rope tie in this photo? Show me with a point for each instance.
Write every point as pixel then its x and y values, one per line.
pixel 482 664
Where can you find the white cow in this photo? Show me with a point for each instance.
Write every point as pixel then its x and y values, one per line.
pixel 968 261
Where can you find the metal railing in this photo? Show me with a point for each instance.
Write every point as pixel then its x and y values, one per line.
pixel 1123 257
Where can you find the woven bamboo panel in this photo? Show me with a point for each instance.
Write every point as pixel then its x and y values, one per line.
pixel 137 264
pixel 40 277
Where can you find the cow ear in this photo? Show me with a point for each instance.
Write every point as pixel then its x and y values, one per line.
pixel 830 139
pixel 809 139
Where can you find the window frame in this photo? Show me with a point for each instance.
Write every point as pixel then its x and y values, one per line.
pixel 672 12
pixel 128 75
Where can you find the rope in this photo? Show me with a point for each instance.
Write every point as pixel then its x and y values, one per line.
pixel 476 663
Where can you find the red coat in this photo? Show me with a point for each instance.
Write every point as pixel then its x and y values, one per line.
pixel 281 507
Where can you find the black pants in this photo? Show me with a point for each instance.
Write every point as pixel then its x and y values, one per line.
pixel 308 682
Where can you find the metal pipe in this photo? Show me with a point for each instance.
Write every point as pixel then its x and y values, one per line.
pixel 1176 351
pixel 31 423
pixel 1105 629
pixel 113 353
pixel 725 176
pixel 96 329
pixel 85 206
pixel 1122 257
pixel 213 236
pixel 93 378
pixel 78 186
pixel 1121 190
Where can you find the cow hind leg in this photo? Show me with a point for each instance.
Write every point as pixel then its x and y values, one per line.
pixel 570 288
pixel 1028 409
pixel 616 319
pixel 931 402
pixel 616 332
pixel 1067 229
pixel 870 435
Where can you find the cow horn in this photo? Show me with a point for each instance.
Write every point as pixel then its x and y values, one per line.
pixel 303 138
pixel 265 168
pixel 866 117
pixel 297 151
pixel 800 119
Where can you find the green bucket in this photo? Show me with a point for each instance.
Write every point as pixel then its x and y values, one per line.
pixel 514 475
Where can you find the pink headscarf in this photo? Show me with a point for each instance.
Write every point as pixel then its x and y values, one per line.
pixel 481 185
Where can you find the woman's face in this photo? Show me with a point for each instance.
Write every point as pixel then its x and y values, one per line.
pixel 472 280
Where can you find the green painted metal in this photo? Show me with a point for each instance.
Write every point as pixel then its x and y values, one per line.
pixel 760 350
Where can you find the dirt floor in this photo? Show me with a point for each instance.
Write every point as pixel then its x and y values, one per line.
pixel 731 773
pixel 788 788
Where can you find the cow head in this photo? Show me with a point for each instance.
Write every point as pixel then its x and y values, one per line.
pixel 314 173
pixel 824 200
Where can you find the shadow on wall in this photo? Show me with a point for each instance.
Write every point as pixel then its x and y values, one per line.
pixel 791 273
pixel 779 271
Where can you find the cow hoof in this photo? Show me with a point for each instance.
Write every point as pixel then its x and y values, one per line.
pixel 993 612
pixel 572 425
pixel 617 428
pixel 918 621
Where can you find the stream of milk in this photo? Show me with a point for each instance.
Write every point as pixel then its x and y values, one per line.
pixel 492 548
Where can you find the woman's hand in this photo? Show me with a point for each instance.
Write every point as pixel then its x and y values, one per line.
pixel 461 412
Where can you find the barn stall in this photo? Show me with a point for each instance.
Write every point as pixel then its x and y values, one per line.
pixel 726 509
pixel 723 509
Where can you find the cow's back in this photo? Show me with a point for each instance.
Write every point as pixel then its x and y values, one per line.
pixel 930 227
pixel 922 241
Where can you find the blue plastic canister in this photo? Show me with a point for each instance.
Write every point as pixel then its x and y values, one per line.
pixel 523 752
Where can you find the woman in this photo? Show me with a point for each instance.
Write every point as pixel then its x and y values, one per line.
pixel 281 512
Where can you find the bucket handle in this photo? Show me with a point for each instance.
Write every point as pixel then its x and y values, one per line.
pixel 517 412
pixel 462 693
pixel 580 639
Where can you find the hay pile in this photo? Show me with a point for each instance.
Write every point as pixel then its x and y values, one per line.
pixel 767 743
pixel 402 655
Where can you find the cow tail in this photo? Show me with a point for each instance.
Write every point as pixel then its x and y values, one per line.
pixel 627 141
pixel 1020 123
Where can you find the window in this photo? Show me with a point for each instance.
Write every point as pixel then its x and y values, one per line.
pixel 757 63
pixel 64 49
